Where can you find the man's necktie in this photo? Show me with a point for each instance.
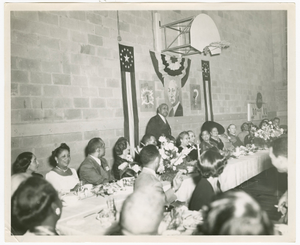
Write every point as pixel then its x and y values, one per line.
pixel 171 114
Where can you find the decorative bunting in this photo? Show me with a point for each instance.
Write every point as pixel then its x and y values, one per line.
pixel 207 90
pixel 131 121
pixel 170 66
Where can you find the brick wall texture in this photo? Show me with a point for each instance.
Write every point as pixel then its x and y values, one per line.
pixel 66 82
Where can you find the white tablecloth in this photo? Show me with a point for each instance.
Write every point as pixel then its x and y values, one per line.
pixel 80 217
pixel 235 173
pixel 76 220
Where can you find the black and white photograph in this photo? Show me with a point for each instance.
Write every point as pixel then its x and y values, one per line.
pixel 150 122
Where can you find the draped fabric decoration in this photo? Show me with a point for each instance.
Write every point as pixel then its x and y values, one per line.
pixel 207 90
pixel 131 121
pixel 167 67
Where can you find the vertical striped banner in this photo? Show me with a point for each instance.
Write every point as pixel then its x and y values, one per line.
pixel 207 90
pixel 131 121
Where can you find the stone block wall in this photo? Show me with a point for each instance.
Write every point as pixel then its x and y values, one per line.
pixel 66 82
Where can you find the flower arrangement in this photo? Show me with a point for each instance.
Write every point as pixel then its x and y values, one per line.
pixel 267 134
pixel 171 160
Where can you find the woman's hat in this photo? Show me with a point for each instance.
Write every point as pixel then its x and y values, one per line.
pixel 208 125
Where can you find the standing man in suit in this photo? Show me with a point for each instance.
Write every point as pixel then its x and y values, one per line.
pixel 150 159
pixel 158 125
pixel 173 94
pixel 94 169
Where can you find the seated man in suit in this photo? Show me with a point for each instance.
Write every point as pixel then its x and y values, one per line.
pixel 158 125
pixel 94 169
pixel 150 159
pixel 231 130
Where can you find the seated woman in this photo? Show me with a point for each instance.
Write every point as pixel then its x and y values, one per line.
pixel 235 213
pixel 206 143
pixel 146 140
pixel 192 142
pixel 214 137
pixel 183 144
pixel 214 129
pixel 63 178
pixel 263 124
pixel 244 132
pixel 122 158
pixel 211 165
pixel 36 206
pixel 26 162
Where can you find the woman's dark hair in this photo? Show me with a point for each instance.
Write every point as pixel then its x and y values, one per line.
pixel 31 202
pixel 211 163
pixel 263 121
pixel 57 152
pixel 22 162
pixel 243 125
pixel 171 138
pixel 120 146
pixel 180 137
pixel 235 213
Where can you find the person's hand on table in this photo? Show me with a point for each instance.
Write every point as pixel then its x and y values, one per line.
pixel 177 181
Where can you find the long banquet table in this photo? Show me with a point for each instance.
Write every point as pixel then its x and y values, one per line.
pixel 80 217
pixel 236 172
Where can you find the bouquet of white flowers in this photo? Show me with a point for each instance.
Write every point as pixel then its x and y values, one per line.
pixel 265 135
pixel 171 160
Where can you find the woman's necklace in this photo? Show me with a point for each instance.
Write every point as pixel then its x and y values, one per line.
pixel 62 169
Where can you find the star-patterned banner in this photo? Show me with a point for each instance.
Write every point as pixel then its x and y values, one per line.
pixel 207 90
pixel 131 121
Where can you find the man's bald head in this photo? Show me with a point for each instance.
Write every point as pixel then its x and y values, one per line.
pixel 142 212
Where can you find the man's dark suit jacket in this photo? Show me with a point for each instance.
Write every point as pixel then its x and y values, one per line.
pixel 146 178
pixel 91 173
pixel 179 111
pixel 156 127
pixel 235 140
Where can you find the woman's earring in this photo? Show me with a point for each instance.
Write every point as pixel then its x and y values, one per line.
pixel 57 211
